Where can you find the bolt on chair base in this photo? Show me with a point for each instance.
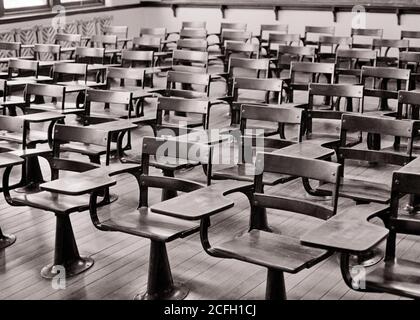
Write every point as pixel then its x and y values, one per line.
pixel 178 292
pixel 72 269
pixel 7 241
pixel 369 259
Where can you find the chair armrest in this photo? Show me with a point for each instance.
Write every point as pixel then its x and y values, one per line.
pixel 349 232
pixel 202 203
pixel 29 153
pixel 115 126
pixel 42 117
pixel 9 160
pixel 81 183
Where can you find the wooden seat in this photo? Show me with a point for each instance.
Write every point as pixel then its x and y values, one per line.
pixel 272 251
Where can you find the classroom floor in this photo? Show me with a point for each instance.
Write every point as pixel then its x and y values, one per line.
pixel 121 261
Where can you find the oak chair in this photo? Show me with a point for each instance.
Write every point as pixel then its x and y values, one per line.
pixel 287 54
pixel 411 35
pixel 367 36
pixel 411 61
pixel 349 63
pixel 384 48
pixel 312 34
pixel 332 44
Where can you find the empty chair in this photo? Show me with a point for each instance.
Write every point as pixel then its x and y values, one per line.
pixel 349 63
pixel 275 40
pixel 120 31
pixel 384 48
pixel 414 39
pixel 194 25
pixel 10 50
pixel 192 44
pixel 366 37
pixel 148 44
pixel 279 253
pixel 266 29
pixel 332 44
pixel 74 75
pixel 233 35
pixel 287 54
pixel 411 61
pixel 193 34
pixel 312 34
pixel 190 61
pixel 154 32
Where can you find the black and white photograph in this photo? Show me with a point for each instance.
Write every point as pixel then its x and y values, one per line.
pixel 217 157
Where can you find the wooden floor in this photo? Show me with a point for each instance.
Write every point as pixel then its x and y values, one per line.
pixel 121 261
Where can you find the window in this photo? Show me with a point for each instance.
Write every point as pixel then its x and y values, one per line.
pixel 19 5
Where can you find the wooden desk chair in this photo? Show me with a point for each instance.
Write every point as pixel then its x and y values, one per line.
pixel 312 34
pixel 360 188
pixel 117 79
pixel 327 119
pixel 91 56
pixel 349 63
pixel 148 43
pixel 271 88
pixel 26 71
pixel 58 95
pixel 332 45
pixel 411 61
pixel 74 199
pixel 142 222
pixel 190 61
pixel 287 54
pixel 276 39
pixel 240 50
pixel 230 26
pixel 397 276
pixel 47 52
pixel 68 43
pixel 75 77
pixel 121 32
pixel 145 60
pixel 382 76
pixel 253 138
pixel 8 50
pixel 109 43
pixel 313 70
pixel 367 35
pixel 256 68
pixel 192 85
pixel 384 47
pixel 160 33
pixel 279 253
pixel 411 35
pixel 266 29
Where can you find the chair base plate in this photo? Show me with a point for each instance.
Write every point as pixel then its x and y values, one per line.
pixel 72 269
pixel 7 241
pixel 370 259
pixel 178 292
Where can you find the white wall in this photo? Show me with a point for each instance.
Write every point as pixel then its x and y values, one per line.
pixel 157 17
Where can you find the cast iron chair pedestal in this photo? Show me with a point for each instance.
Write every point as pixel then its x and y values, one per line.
pixel 66 253
pixel 276 289
pixel 160 284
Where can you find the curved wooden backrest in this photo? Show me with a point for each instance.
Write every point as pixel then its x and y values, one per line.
pixel 233 26
pixel 312 67
pixel 44 90
pixel 391 43
pixel 83 52
pixel 11 46
pixel 103 40
pixel 21 64
pixel 409 97
pixel 47 48
pixel 361 54
pixel 66 37
pixel 182 105
pixel 116 30
pixel 320 30
pixel 145 41
pixel 106 96
pixel 367 32
pixel 234 35
pixel 410 57
pixel 240 47
pixel 335 40
pixel 385 73
pixel 306 168
pixel 284 28
pixel 272 114
pixel 140 56
pixel 194 25
pixel 193 34
pixel 71 68
pixel 125 73
pixel 272 85
pixel 188 78
pixel 66 133
pixel 175 149
pixel 190 56
pixel 252 64
pixel 155 32
pixel 296 51
pixel 192 44
pixel 379 125
pixel 274 38
pixel 336 90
